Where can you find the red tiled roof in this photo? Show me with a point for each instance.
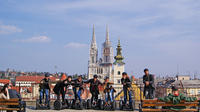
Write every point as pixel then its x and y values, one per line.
pixel 4 81
pixel 35 79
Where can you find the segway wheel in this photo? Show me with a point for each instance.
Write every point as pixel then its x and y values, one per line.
pixel 114 105
pixel 133 106
pixel 57 105
pixel 121 105
pixel 101 104
pixel 37 104
pixel 89 105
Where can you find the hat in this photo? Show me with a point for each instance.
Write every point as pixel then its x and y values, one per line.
pixel 146 69
pixel 124 73
pixel 95 76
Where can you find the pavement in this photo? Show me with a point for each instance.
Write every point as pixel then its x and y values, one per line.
pixel 32 109
pixel 70 110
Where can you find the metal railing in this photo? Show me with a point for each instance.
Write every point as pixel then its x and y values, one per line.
pixel 32 92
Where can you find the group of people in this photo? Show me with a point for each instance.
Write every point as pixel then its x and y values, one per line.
pixel 78 89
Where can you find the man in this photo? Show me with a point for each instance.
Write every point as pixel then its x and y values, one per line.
pixel 149 86
pixel 78 86
pixel 45 89
pixel 108 90
pixel 94 89
pixel 60 88
pixel 126 82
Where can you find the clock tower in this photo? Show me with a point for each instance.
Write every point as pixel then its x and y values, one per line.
pixel 118 67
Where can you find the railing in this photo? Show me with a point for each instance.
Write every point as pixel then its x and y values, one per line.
pixel 32 92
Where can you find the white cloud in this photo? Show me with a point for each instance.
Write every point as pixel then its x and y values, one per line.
pixel 36 39
pixel 8 29
pixel 75 45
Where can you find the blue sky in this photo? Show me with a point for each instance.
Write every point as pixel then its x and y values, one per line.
pixel 36 35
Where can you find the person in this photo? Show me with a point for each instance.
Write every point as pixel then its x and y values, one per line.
pixel 126 82
pixel 149 87
pixel 60 88
pixel 4 94
pixel 69 85
pixel 108 90
pixel 14 94
pixel 94 89
pixel 45 89
pixel 176 97
pixel 78 86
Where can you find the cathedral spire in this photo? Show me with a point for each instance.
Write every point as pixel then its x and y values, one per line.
pixel 107 34
pixel 119 58
pixel 93 44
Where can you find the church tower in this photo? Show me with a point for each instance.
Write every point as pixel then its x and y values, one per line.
pixel 107 56
pixel 93 58
pixel 118 66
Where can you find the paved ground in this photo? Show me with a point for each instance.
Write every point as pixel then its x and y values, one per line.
pixel 69 110
pixel 31 108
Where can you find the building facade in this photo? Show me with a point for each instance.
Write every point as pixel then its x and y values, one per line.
pixel 107 65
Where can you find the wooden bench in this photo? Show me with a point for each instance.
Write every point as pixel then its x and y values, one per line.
pixel 146 106
pixel 11 105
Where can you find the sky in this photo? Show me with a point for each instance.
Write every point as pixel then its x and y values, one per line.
pixel 162 35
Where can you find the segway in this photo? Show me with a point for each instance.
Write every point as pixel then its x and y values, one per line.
pixel 77 104
pixel 110 105
pixel 95 104
pixel 127 106
pixel 68 103
pixel 42 106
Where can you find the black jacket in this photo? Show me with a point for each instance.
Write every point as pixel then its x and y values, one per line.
pixel 59 87
pixel 149 78
pixel 126 83
pixel 78 83
pixel 45 84
pixel 94 85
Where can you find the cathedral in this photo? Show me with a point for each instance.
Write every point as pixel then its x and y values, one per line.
pixel 107 65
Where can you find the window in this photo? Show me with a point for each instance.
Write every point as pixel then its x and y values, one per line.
pixel 92 59
pixel 106 58
pixel 198 92
pixel 192 92
pixel 118 81
pixel 119 73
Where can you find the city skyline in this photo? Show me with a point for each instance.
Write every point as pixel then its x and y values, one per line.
pixel 159 35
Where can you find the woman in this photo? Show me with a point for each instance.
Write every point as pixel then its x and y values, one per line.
pixel 4 92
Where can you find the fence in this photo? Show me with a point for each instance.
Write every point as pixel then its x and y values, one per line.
pixel 31 92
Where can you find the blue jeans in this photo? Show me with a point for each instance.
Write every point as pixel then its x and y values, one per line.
pixel 125 96
pixel 46 92
pixel 77 94
pixel 109 94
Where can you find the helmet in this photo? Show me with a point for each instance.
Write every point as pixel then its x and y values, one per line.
pixel 47 74
pixel 80 76
pixel 95 76
pixel 106 77
pixel 124 73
